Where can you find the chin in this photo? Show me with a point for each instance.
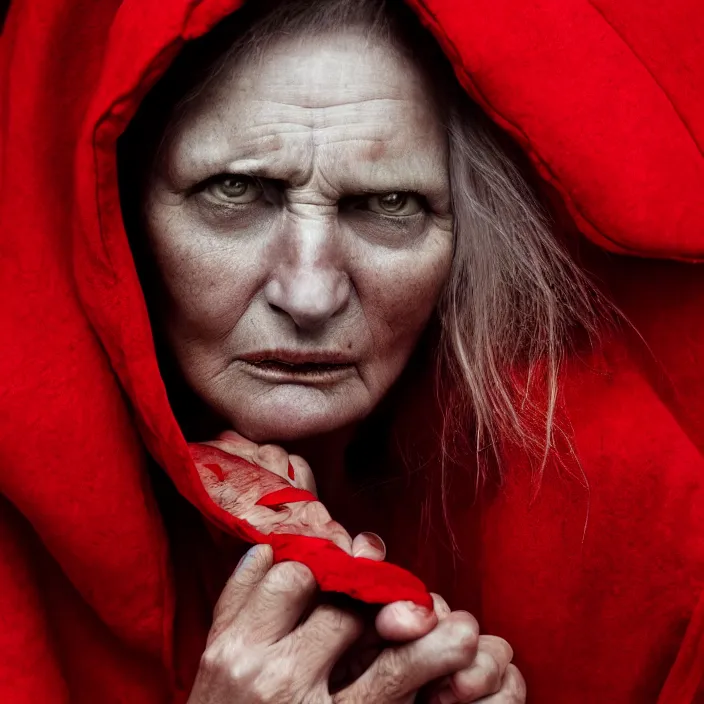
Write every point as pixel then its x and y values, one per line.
pixel 286 415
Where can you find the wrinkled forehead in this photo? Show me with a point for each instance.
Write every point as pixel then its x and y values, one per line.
pixel 318 91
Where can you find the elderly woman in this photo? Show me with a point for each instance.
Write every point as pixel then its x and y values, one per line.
pixel 308 253
pixel 295 184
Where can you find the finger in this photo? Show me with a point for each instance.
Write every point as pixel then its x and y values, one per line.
pixel 325 635
pixel 277 604
pixel 236 444
pixel 403 621
pixel 440 606
pixel 302 474
pixel 314 517
pixel 484 677
pixel 273 458
pixel 513 689
pixel 246 450
pixel 251 569
pixel 486 674
pixel 402 670
pixel 369 545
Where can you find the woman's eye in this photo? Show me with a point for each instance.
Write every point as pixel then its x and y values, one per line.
pixel 234 189
pixel 397 204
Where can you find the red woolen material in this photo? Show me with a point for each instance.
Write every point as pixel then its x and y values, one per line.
pixel 595 580
pixel 605 97
pixel 286 496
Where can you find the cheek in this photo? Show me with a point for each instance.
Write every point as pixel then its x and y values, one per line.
pixel 207 279
pixel 403 294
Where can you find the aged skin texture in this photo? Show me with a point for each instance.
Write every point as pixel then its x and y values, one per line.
pixel 300 216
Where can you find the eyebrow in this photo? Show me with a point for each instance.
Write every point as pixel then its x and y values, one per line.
pixel 362 177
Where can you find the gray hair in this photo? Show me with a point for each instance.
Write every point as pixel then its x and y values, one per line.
pixel 515 300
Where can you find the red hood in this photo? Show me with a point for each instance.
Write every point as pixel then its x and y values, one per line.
pixel 604 96
pixel 627 187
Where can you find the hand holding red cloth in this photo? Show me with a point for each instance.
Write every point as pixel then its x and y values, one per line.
pixel 268 509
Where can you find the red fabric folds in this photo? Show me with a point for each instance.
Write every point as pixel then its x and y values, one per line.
pixel 596 579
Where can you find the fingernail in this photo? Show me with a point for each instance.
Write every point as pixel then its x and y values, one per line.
pixel 369 545
pixel 247 558
pixel 291 471
pixel 407 612
pixel 375 541
pixel 441 607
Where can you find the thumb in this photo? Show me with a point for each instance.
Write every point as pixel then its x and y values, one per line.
pixel 404 621
pixel 252 568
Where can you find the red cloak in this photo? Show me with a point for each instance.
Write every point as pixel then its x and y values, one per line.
pixel 596 580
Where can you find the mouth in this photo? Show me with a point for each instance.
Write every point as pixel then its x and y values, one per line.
pixel 292 367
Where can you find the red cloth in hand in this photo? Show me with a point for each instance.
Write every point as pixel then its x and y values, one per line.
pixel 263 507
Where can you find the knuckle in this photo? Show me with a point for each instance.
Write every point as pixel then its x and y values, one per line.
pixel 249 671
pixel 464 631
pixel 298 462
pixel 225 664
pixel 211 662
pixel 507 649
pixel 490 672
pixel 273 454
pixel 338 535
pixel 338 621
pixel 289 577
pixel 516 686
pixel 317 514
pixel 497 645
pixel 484 677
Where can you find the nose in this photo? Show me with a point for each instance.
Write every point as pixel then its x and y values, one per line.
pixel 309 282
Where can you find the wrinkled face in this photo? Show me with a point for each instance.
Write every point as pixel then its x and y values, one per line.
pixel 300 216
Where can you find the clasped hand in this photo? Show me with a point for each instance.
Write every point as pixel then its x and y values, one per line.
pixel 273 641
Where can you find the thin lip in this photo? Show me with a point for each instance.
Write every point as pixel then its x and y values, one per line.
pixel 328 374
pixel 298 357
